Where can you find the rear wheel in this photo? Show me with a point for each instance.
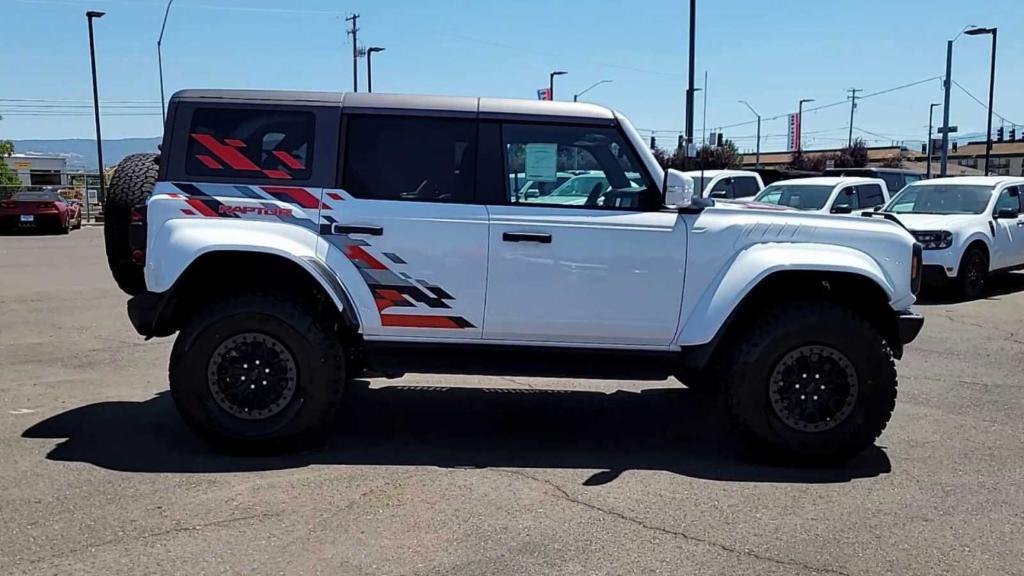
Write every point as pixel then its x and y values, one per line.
pixel 257 373
pixel 972 277
pixel 811 382
pixel 130 186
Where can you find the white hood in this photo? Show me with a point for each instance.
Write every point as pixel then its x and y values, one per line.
pixel 928 222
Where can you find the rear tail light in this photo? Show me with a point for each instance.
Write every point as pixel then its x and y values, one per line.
pixel 6 204
pixel 137 234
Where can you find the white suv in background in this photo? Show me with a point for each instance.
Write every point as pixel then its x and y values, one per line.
pixel 828 195
pixel 969 227
pixel 726 184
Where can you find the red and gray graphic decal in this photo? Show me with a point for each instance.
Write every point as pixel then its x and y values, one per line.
pixel 393 290
pixel 208 200
pixel 227 154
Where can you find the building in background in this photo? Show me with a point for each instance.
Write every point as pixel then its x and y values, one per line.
pixel 39 170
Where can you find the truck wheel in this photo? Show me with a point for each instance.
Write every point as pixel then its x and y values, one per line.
pixel 810 382
pixel 130 186
pixel 257 373
pixel 972 277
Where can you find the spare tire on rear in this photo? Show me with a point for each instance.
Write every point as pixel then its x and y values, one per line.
pixel 130 186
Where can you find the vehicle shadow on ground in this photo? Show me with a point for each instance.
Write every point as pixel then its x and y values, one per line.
pixel 669 429
pixel 999 285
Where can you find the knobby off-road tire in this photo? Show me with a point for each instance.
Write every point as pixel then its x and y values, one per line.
pixel 793 367
pixel 130 186
pixel 257 373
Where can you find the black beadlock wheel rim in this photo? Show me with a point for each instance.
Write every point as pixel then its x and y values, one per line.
pixel 252 376
pixel 813 388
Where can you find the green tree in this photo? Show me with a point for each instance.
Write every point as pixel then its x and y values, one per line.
pixel 9 180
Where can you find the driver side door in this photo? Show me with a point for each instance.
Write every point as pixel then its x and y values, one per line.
pixel 1008 242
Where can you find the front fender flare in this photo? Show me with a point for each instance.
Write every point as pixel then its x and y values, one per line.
pixel 714 305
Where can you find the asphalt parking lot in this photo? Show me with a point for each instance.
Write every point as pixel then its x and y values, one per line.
pixel 468 475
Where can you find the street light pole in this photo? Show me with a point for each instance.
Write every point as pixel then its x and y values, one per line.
pixel 89 16
pixel 551 82
pixel 160 62
pixel 576 97
pixel 931 108
pixel 991 89
pixel 690 88
pixel 757 157
pixel 369 66
pixel 800 123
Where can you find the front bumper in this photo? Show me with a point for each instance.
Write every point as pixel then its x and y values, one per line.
pixel 944 262
pixel 149 313
pixel 908 325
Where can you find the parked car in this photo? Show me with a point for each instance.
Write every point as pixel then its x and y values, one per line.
pixel 726 184
pixel 288 265
pixel 970 227
pixel 527 188
pixel 825 195
pixel 43 209
pixel 75 211
pixel 895 178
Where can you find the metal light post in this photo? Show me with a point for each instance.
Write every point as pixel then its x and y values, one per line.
pixel 947 84
pixel 757 157
pixel 551 82
pixel 991 89
pixel 689 86
pixel 931 108
pixel 800 125
pixel 89 16
pixel 575 97
pixel 369 66
pixel 160 62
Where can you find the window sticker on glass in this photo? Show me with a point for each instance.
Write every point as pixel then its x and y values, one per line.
pixel 542 162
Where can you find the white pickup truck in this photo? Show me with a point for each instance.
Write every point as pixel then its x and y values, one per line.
pixel 293 240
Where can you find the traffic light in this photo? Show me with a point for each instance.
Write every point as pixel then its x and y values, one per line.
pixel 653 143
pixel 954 145
pixel 1013 133
pixel 680 142
pixel 924 148
pixel 721 140
pixel 999 134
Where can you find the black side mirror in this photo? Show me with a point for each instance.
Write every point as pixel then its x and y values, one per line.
pixel 842 209
pixel 1007 213
pixel 879 207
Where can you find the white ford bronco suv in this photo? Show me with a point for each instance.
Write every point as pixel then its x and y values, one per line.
pixel 297 240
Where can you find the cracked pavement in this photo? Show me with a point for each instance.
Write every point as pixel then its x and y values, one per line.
pixel 469 475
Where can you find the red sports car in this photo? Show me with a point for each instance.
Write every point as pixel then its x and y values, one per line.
pixel 44 209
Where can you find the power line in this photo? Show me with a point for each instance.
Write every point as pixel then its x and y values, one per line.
pixel 982 104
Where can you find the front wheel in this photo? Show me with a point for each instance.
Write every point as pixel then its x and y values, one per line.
pixel 972 278
pixel 257 373
pixel 812 382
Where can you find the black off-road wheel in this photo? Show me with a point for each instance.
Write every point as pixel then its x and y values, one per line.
pixel 972 277
pixel 257 374
pixel 130 186
pixel 810 383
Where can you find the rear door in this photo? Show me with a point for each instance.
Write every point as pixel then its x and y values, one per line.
pixel 402 231
pixel 607 270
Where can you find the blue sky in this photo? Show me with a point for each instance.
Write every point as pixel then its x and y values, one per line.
pixel 768 53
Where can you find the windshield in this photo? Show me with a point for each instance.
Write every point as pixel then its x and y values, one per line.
pixel 799 196
pixel 941 199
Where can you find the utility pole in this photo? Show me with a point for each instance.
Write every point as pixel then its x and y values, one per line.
pixel 355 51
pixel 931 108
pixel 991 88
pixel 690 88
pixel 704 122
pixel 947 84
pixel 853 106
pixel 89 16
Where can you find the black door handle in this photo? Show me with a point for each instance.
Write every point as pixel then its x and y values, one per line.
pixel 538 237
pixel 368 230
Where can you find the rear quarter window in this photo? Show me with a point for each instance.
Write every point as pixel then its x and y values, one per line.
pixel 250 143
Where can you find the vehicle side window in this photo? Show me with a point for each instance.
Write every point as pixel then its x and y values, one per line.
pixel 410 158
pixel 573 167
pixel 744 186
pixel 892 181
pixel 911 178
pixel 1008 200
pixel 250 143
pixel 849 197
pixel 723 189
pixel 870 195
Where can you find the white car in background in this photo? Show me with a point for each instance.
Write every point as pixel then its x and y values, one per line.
pixel 826 195
pixel 969 227
pixel 740 185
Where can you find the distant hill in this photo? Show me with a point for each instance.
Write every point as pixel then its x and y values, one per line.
pixel 81 152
